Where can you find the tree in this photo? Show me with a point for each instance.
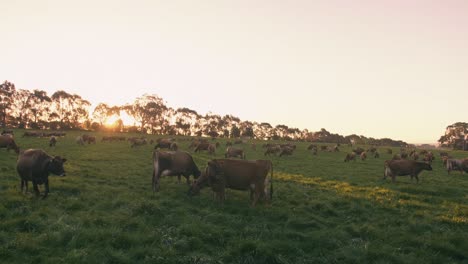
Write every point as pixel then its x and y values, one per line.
pixel 456 136
pixel 235 131
pixel 7 89
pixel 147 110
pixel 40 107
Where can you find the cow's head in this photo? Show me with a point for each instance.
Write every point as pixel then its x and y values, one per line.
pixel 203 180
pixel 55 166
pixel 427 166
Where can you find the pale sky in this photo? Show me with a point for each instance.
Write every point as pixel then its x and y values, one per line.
pixel 396 68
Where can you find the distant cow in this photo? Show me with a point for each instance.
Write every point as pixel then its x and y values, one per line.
pixel 164 143
pixel 286 151
pixel 7 131
pixel 363 156
pixel 389 151
pixel 79 140
pixel 350 156
pixel 232 152
pixel 413 168
pixel 173 163
pixel 358 150
pixel 274 149
pixel 52 141
pixel 8 142
pixel 35 165
pixel 138 142
pixel 238 175
pixel 376 154
pixel 205 146
pixel 91 139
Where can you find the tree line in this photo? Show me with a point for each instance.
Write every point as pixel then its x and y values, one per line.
pixel 20 108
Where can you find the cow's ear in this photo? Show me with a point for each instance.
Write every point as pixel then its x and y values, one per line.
pixel 63 160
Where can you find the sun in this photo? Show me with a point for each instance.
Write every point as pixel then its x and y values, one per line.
pixel 126 119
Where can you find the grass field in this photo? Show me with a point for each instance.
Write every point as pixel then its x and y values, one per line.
pixel 323 211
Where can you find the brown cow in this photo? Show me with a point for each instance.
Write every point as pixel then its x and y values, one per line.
pixel 232 152
pixel 209 147
pixel 238 175
pixel 363 156
pixel 350 156
pixel 358 150
pixel 138 142
pixel 35 165
pixel 173 163
pixel 164 143
pixel 7 141
pixel 453 164
pixel 395 168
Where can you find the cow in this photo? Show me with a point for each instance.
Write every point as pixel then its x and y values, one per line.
pixel 232 152
pixel 358 150
pixel 402 167
pixel 274 149
pixel 52 141
pixel 173 163
pixel 228 143
pixel 238 175
pixel 363 156
pixel 376 154
pixel 79 140
pixel 389 151
pixel 205 146
pixel 350 156
pixel 429 157
pixel 32 134
pixel 314 151
pixel 453 164
pixel 138 142
pixel 286 151
pixel 164 143
pixel 174 146
pixel 312 146
pixel 7 141
pixel 35 165
pixel 91 139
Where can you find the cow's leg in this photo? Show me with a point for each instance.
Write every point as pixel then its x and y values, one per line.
pixel 187 179
pixel 46 183
pixel 417 178
pixel 35 188
pixel 23 182
pixel 155 182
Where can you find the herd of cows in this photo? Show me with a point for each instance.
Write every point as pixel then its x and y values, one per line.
pixel 35 165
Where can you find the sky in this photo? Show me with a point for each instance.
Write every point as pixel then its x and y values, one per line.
pixel 395 68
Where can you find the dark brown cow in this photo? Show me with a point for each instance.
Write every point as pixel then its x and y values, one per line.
pixel 238 175
pixel 286 151
pixel 413 168
pixel 358 150
pixel 453 164
pixel 273 149
pixel 232 152
pixel 35 165
pixel 138 142
pixel 173 163
pixel 91 139
pixel 52 141
pixel 7 131
pixel 8 142
pixel 164 143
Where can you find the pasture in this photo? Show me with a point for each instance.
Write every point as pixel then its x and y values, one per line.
pixel 323 211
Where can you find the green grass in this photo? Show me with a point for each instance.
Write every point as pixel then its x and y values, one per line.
pixel 323 211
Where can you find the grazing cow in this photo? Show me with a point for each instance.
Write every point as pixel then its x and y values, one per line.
pixel 372 150
pixel 232 152
pixel 358 150
pixel 350 156
pixel 286 151
pixel 52 141
pixel 138 142
pixel 238 175
pixel 91 139
pixel 164 143
pixel 363 156
pixel 35 165
pixel 173 163
pixel 395 168
pixel 323 148
pixel 209 147
pixel 273 149
pixel 79 140
pixel 453 164
pixel 7 141
pixel 311 146
pixel 389 151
